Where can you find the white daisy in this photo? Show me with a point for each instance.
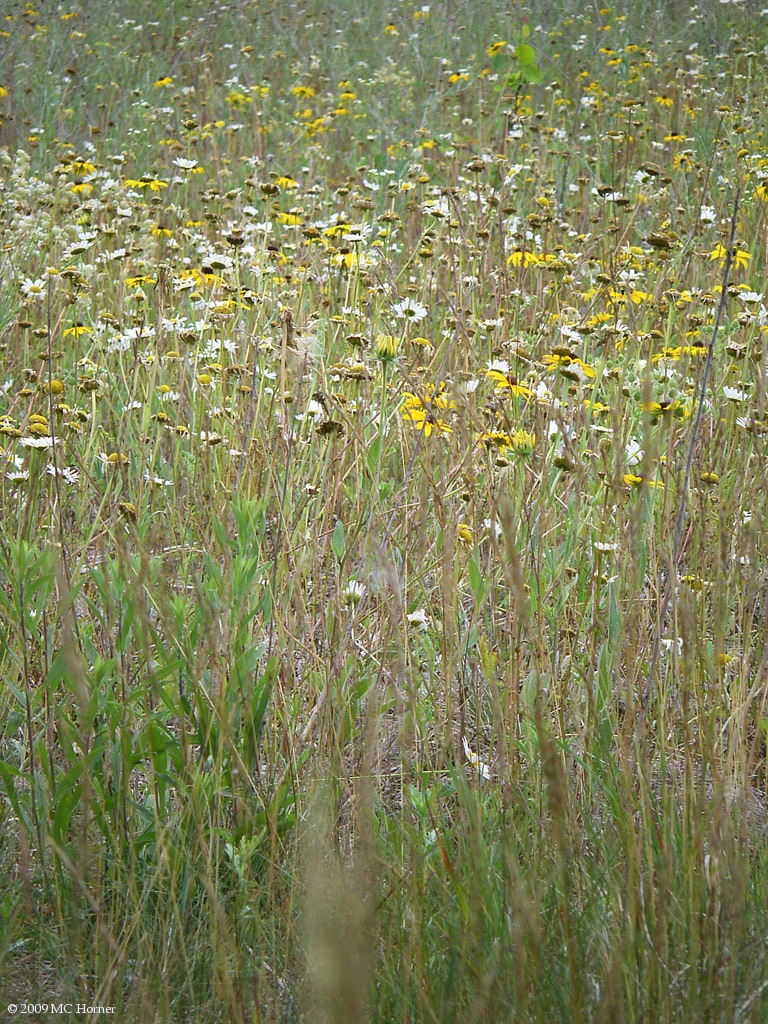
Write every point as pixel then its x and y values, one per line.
pixel 409 309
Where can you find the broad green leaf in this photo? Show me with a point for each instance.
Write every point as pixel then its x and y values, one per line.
pixel 338 541
pixel 531 73
pixel 525 54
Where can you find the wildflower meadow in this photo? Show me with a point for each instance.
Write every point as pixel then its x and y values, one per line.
pixel 384 511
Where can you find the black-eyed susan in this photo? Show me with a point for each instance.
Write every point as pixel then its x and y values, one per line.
pixel 507 382
pixel 740 257
pixel 147 182
pixel 423 411
pixel 77 330
pixel 569 365
pixel 502 442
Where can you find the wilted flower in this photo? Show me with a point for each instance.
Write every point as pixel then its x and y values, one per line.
pixel 482 769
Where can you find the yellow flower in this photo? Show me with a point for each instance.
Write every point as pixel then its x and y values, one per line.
pixel 740 257
pixel 237 100
pixel 153 184
pixel 162 83
pixel 420 410
pixel 345 259
pixel 386 347
pixel 502 382
pixel 424 343
pixel 518 258
pixel 80 167
pixel 495 439
pixel 636 481
pixel 569 366
pixel 464 534
pixel 682 160
pixel 77 330
pixel 520 441
pixel 596 407
pixel 667 353
pixel 523 442
pixel 337 229
pixel 718 253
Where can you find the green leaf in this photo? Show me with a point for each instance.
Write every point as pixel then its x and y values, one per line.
pixel 531 73
pixel 257 708
pixel 372 455
pixel 338 542
pixel 476 580
pixel 514 79
pixel 525 54
pixel 220 533
pixel 264 605
pixel 7 774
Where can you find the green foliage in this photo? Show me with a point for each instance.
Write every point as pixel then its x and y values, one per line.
pixel 522 57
